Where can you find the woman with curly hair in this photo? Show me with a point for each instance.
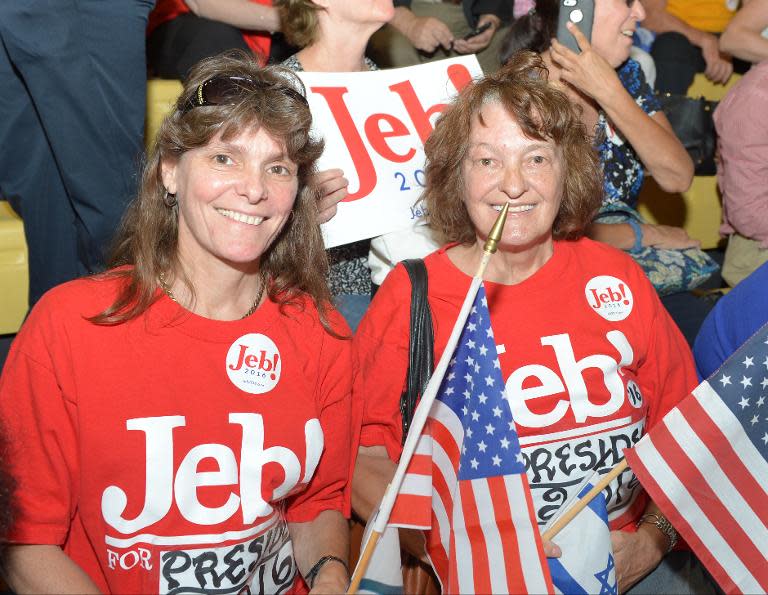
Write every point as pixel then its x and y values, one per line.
pixel 589 357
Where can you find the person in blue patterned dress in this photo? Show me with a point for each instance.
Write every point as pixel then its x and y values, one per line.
pixel 631 133
pixel 623 169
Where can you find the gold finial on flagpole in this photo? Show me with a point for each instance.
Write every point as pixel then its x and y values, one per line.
pixel 498 228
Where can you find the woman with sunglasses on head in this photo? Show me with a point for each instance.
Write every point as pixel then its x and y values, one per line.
pixel 181 423
pixel 333 35
pixel 631 133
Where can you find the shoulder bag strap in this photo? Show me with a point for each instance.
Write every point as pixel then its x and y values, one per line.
pixel 421 343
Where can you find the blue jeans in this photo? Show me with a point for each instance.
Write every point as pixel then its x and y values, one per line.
pixel 72 108
pixel 680 573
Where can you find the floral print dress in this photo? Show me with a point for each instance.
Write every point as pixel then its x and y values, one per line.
pixel 622 169
pixel 670 271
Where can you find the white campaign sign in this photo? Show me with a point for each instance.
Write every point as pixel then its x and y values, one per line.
pixel 374 125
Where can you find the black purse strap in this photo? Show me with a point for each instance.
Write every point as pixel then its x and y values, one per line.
pixel 421 342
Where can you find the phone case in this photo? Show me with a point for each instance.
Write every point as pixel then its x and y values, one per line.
pixel 477 31
pixel 579 12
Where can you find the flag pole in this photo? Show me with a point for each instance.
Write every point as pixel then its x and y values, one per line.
pixel 425 404
pixel 582 503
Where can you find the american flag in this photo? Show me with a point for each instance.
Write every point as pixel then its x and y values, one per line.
pixel 467 480
pixel 705 466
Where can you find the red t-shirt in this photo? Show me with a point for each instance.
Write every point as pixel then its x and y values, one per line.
pixel 166 454
pixel 589 355
pixel 167 10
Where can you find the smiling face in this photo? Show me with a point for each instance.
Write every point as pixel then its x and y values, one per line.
pixel 615 22
pixel 503 165
pixel 234 198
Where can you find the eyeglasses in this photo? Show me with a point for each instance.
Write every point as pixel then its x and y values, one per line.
pixel 223 90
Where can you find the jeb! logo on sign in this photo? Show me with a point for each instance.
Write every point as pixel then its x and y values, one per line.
pixel 379 127
pixel 374 124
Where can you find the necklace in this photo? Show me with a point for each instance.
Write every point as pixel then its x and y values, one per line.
pixel 262 285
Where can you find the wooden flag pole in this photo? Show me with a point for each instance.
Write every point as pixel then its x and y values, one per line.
pixel 425 404
pixel 362 563
pixel 581 503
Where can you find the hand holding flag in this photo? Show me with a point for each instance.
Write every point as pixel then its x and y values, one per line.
pixel 583 569
pixel 476 501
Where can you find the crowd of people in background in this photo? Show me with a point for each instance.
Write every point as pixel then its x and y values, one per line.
pixel 146 270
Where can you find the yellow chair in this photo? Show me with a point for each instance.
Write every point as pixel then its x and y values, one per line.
pixel 698 210
pixel 161 97
pixel 14 275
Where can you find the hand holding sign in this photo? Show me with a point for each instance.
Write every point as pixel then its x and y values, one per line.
pixel 332 187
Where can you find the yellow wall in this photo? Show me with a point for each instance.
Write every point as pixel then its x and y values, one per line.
pixel 161 97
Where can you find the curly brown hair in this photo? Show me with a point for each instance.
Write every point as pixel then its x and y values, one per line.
pixel 298 19
pixel 296 263
pixel 543 112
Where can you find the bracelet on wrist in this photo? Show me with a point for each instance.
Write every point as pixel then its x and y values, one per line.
pixel 315 570
pixel 638 231
pixel 662 524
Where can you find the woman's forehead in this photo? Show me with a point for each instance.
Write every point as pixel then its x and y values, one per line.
pixel 245 136
pixel 494 113
pixel 493 116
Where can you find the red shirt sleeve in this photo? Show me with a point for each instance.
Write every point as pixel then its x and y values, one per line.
pixel 40 423
pixel 166 10
pixel 668 373
pixel 330 486
pixel 670 370
pixel 381 354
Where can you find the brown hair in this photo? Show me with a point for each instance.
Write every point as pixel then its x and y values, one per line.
pixel 543 112
pixel 296 263
pixel 298 19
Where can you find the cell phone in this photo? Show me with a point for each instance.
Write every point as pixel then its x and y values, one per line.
pixel 477 31
pixel 579 12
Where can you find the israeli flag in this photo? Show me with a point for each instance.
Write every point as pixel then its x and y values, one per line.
pixel 586 565
pixel 384 575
